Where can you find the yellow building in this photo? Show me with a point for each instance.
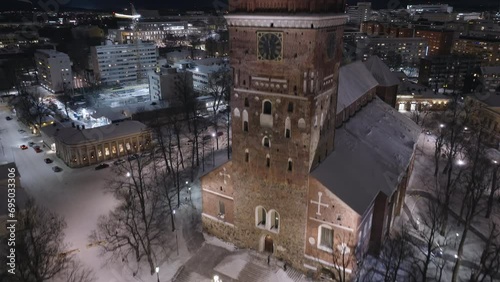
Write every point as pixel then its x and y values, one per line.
pixel 79 147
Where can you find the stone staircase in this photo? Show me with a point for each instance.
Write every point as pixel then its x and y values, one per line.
pixel 253 272
pixel 295 275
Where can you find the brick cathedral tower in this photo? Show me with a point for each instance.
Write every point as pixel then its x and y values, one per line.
pixel 285 57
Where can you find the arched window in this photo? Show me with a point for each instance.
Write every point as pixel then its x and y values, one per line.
pixel 236 113
pixel 265 142
pixel 288 130
pixel 302 123
pixel 260 216
pixel 267 107
pixel 268 161
pixel 247 103
pixel 274 220
pixel 290 165
pixel 247 155
pixel 290 107
pixel 245 121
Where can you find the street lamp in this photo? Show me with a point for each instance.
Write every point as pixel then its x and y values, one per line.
pixel 157 269
pixel 441 125
pixel 461 162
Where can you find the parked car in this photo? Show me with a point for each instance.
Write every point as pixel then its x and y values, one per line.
pixel 21 130
pixel 133 157
pixel 118 162
pixel 48 161
pixel 101 166
pixel 23 147
pixel 8 118
pixel 37 149
pixel 220 133
pixel 56 169
pixel 31 144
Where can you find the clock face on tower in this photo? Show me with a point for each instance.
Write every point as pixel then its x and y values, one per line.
pixel 330 47
pixel 270 46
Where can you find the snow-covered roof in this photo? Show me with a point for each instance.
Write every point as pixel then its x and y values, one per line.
pixel 372 150
pixel 354 81
pixel 74 136
pixel 381 72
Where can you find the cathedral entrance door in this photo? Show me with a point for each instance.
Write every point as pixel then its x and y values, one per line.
pixel 268 244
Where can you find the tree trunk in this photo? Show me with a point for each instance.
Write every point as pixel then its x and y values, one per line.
pixel 456 268
pixel 492 192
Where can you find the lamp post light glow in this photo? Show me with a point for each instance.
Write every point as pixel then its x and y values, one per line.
pixel 441 125
pixel 157 269
pixel 461 162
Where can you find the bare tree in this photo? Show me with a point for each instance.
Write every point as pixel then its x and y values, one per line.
pixel 344 258
pixel 429 243
pixel 475 182
pixel 489 262
pixel 31 108
pixel 66 97
pixel 396 252
pixel 493 189
pixel 219 88
pixel 136 227
pixel 41 253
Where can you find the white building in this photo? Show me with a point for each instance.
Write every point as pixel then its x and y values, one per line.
pixel 165 84
pixel 54 70
pixel 123 63
pixel 429 8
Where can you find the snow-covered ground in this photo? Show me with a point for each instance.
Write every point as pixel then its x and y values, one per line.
pixel 420 185
pixel 79 195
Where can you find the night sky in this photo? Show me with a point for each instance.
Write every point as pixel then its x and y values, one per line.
pixel 199 4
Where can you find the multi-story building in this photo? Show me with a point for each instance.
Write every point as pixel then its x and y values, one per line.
pixel 54 70
pixel 359 13
pixel 155 31
pixel 167 83
pixel 395 52
pixel 438 8
pixel 490 79
pixel 447 73
pixel 123 63
pixel 488 50
pixel 387 29
pixel 439 41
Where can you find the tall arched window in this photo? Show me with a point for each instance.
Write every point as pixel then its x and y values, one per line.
pixel 236 113
pixel 268 161
pixel 265 142
pixel 260 216
pixel 247 155
pixel 290 165
pixel 267 107
pixel 274 220
pixel 245 121
pixel 247 103
pixel 288 130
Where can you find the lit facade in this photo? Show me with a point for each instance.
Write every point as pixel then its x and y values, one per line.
pixel 123 63
pixel 54 70
pixel 79 147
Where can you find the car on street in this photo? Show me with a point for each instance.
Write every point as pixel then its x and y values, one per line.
pixel 101 166
pixel 133 157
pixel 23 147
pixel 31 144
pixel 56 169
pixel 220 133
pixel 37 149
pixel 48 161
pixel 118 162
pixel 8 118
pixel 21 130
